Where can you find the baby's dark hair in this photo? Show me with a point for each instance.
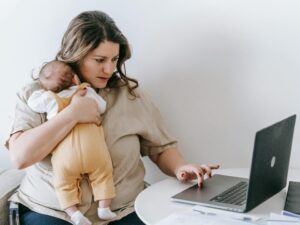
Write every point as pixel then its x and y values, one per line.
pixel 56 76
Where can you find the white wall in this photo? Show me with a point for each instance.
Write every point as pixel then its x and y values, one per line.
pixel 218 70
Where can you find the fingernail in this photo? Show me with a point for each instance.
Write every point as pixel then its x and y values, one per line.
pixel 182 174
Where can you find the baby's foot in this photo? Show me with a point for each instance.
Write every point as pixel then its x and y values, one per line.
pixel 79 219
pixel 106 214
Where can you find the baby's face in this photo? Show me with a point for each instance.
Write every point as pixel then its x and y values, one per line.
pixel 65 73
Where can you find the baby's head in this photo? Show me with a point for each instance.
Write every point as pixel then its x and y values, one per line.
pixel 56 76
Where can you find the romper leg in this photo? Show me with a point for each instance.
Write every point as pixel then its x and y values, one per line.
pixel 102 182
pixel 66 181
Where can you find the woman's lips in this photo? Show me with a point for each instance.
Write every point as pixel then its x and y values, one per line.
pixel 103 78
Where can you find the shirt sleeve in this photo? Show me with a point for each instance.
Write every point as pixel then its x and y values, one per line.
pixel 24 117
pixel 155 137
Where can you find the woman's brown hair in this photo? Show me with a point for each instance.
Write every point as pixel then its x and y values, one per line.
pixel 85 32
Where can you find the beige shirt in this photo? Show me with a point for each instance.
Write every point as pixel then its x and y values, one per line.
pixel 133 128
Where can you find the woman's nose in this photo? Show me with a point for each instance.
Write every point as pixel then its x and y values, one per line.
pixel 108 68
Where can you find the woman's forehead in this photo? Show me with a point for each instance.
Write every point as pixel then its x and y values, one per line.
pixel 106 49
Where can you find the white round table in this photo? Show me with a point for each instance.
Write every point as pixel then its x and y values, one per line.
pixel 154 203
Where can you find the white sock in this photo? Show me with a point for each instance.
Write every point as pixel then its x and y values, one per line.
pixel 79 219
pixel 106 213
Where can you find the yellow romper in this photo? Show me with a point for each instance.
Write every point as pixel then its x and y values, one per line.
pixel 82 151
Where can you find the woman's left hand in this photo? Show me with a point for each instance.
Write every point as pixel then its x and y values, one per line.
pixel 193 171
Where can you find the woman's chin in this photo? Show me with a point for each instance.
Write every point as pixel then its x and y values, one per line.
pixel 99 86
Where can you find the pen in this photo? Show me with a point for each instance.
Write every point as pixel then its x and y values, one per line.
pixel 233 216
pixel 287 213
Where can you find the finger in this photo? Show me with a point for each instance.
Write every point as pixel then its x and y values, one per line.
pixel 186 175
pixel 183 176
pixel 98 119
pixel 189 175
pixel 207 169
pixel 82 92
pixel 214 166
pixel 199 174
pixel 200 181
pixel 194 173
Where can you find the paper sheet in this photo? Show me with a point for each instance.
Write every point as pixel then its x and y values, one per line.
pixel 277 219
pixel 224 213
pixel 195 218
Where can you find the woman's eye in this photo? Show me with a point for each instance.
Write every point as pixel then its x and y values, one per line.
pixel 99 60
pixel 115 59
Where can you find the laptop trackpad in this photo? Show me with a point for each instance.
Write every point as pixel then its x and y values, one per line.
pixel 211 187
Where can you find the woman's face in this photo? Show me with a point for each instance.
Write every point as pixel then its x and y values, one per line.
pixel 99 64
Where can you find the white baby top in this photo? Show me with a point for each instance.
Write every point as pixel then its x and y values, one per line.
pixel 42 101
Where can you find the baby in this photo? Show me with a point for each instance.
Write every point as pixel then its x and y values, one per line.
pixel 70 159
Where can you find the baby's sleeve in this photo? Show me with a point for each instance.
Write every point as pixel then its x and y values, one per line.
pixel 38 101
pixel 100 101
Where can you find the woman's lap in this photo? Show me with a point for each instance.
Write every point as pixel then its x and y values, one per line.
pixel 131 219
pixel 28 217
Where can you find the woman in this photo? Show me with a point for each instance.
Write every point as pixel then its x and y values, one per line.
pixel 96 49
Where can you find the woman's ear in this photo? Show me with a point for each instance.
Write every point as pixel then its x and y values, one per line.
pixel 76 79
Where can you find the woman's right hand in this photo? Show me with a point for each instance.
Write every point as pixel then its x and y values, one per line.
pixel 84 109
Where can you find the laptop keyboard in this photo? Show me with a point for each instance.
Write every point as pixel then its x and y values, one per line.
pixel 236 195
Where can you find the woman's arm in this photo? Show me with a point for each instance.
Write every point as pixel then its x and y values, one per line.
pixel 30 146
pixel 172 163
pixel 168 161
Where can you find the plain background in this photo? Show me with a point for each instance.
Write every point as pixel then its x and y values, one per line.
pixel 218 70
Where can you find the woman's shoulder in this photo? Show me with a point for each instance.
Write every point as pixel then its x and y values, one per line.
pixel 139 95
pixel 123 90
pixel 29 88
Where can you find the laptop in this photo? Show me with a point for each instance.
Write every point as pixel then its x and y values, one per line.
pixel 268 174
